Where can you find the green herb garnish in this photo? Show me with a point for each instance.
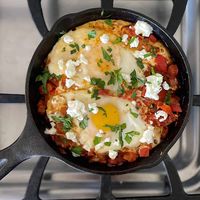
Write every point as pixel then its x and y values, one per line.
pixel 139 63
pixel 117 40
pixel 115 77
pixel 83 46
pixel 84 123
pixel 99 62
pixel 153 71
pixel 66 121
pixel 107 56
pixel 97 82
pixel 133 114
pixel 107 144
pixel 129 136
pixel 77 150
pixel 108 22
pixel 63 49
pixel 92 34
pixel 103 110
pixel 147 55
pixel 97 140
pixel 133 95
pixel 131 40
pixel 168 98
pixel 75 47
pixel 109 49
pixel 95 93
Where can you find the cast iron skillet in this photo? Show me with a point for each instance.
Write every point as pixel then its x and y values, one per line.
pixel 33 142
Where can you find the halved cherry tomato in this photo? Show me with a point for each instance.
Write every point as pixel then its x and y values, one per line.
pixel 152 38
pixel 144 151
pixel 172 71
pixel 161 64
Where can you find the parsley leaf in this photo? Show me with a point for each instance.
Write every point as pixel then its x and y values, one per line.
pixel 133 133
pixel 107 56
pixel 108 22
pixel 99 62
pixel 103 110
pixel 147 55
pixel 139 63
pixel 128 138
pixel 97 140
pixel 44 77
pixel 92 34
pixel 133 114
pixel 117 40
pixel 107 144
pixel 132 39
pixel 153 71
pixel 77 150
pixel 83 46
pixel 118 129
pixel 75 47
pixel 98 82
pixel 95 93
pixel 168 98
pixel 133 95
pixel 67 122
pixel 84 123
pixel 115 76
pixel 134 80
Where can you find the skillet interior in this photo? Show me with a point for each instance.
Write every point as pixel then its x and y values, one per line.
pixel 71 21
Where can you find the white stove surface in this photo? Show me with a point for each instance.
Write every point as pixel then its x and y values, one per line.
pixel 19 38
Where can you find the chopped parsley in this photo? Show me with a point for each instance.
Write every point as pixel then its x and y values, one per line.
pixel 153 51
pixel 118 129
pixel 109 49
pixel 133 133
pixel 168 98
pixel 129 136
pixel 153 71
pixel 84 123
pixel 95 93
pixel 63 49
pixel 75 47
pixel 103 110
pixel 66 121
pixel 133 114
pixel 131 40
pixel 115 77
pixel 97 82
pixel 83 46
pixel 99 62
pixel 97 140
pixel 135 79
pixel 77 150
pixel 107 56
pixel 139 63
pixel 92 34
pixel 44 77
pixel 107 144
pixel 133 95
pixel 117 40
pixel 108 22
pixel 120 90
pixel 147 55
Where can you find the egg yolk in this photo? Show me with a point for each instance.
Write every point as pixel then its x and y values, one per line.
pixel 108 115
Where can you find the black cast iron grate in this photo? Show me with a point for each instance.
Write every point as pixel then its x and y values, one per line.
pixel 105 190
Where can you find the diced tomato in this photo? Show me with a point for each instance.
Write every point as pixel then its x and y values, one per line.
pixel 175 105
pixel 162 95
pixel 130 156
pixel 161 64
pixel 143 91
pixel 166 108
pixel 144 151
pixel 59 128
pixel 152 38
pixel 172 71
pixel 104 92
pixel 129 30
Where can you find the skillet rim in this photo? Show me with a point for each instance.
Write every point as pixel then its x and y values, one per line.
pixel 164 32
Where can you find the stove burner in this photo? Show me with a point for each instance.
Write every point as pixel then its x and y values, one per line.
pixel 176 192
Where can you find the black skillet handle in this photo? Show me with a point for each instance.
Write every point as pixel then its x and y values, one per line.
pixel 30 143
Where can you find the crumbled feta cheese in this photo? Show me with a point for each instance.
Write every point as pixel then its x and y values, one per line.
pixel 61 64
pixel 71 68
pixel 93 108
pixel 104 38
pixel 125 38
pixel 76 109
pixel 134 103
pixel 52 130
pixel 141 54
pixel 161 115
pixel 69 83
pixel 165 85
pixel 87 78
pixel 99 146
pixel 126 77
pixel 68 39
pixel 143 28
pixel 87 48
pixel 87 147
pixel 112 154
pixel 71 136
pixel 135 43
pixel 82 59
pixel 147 136
pixel 153 86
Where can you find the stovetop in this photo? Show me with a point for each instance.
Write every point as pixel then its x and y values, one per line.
pixel 18 41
